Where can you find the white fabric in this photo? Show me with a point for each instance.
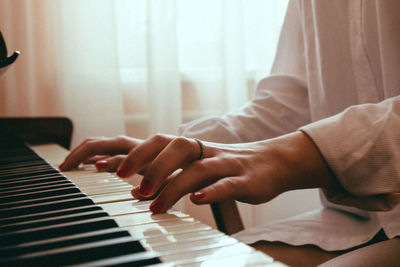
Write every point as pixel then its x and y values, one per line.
pixel 332 55
pixel 136 67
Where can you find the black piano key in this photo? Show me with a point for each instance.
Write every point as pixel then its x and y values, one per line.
pixel 40 200
pixel 48 214
pixel 79 253
pixel 26 171
pixel 18 158
pixel 43 207
pixel 56 230
pixel 11 176
pixel 32 177
pixel 38 194
pixel 135 259
pixel 32 181
pixel 51 221
pixel 19 164
pixel 35 184
pixel 5 192
pixel 45 220
pixel 23 167
pixel 64 241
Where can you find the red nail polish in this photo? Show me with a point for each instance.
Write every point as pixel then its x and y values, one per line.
pixel 156 206
pixel 123 170
pixel 199 195
pixel 134 191
pixel 145 188
pixel 101 164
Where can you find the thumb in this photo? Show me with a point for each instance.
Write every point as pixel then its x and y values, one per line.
pixel 227 188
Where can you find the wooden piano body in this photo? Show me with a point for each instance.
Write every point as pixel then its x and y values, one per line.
pixel 107 227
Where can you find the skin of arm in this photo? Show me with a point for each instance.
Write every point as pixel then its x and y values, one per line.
pixel 249 172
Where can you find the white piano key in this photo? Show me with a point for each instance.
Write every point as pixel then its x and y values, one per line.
pixel 199 255
pixel 254 258
pixel 111 197
pixel 91 191
pixel 189 245
pixel 126 207
pixel 162 228
pixel 147 217
pixel 195 235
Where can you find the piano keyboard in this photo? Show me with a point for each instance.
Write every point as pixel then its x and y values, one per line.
pixel 84 217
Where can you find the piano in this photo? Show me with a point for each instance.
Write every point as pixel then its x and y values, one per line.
pixel 88 218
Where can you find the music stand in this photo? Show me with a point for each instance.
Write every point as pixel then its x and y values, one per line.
pixel 5 61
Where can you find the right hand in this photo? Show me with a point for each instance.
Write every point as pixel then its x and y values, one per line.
pixel 105 153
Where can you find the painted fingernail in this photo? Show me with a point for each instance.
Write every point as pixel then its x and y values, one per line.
pixel 123 170
pixel 145 188
pixel 199 195
pixel 101 164
pixel 134 191
pixel 156 206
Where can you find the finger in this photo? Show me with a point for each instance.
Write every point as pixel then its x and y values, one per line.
pixel 93 147
pixel 136 193
pixel 92 160
pixel 110 164
pixel 142 155
pixel 74 151
pixel 196 176
pixel 176 154
pixel 224 189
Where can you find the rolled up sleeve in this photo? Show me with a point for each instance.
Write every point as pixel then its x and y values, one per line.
pixel 362 147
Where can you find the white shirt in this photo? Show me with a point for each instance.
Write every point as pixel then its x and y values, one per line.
pixel 336 76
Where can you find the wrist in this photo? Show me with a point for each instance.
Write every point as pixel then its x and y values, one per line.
pixel 303 164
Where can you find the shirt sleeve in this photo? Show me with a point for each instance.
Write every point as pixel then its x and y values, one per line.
pixel 362 147
pixel 280 104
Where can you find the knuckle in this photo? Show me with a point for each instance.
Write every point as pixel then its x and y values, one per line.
pixel 119 157
pixel 123 139
pixel 181 142
pixel 199 167
pixel 158 138
pixel 234 185
pixel 216 190
pixel 89 147
pixel 88 140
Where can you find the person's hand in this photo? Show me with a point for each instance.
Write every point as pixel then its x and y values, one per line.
pixel 105 153
pixel 250 172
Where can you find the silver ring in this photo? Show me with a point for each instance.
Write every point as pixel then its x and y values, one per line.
pixel 201 149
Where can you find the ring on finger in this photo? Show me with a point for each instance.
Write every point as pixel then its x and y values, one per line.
pixel 201 146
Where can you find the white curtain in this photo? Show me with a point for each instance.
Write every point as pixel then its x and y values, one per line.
pixel 135 67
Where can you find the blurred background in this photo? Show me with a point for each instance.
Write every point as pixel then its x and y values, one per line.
pixel 139 67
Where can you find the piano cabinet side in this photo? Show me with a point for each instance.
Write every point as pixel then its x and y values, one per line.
pixel 39 130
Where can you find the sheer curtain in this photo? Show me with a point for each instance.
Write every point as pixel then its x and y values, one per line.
pixel 68 64
pixel 181 60
pixel 135 67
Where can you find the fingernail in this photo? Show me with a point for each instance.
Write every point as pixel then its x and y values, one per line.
pixel 123 170
pixel 199 194
pixel 145 187
pixel 101 164
pixel 134 191
pixel 156 206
